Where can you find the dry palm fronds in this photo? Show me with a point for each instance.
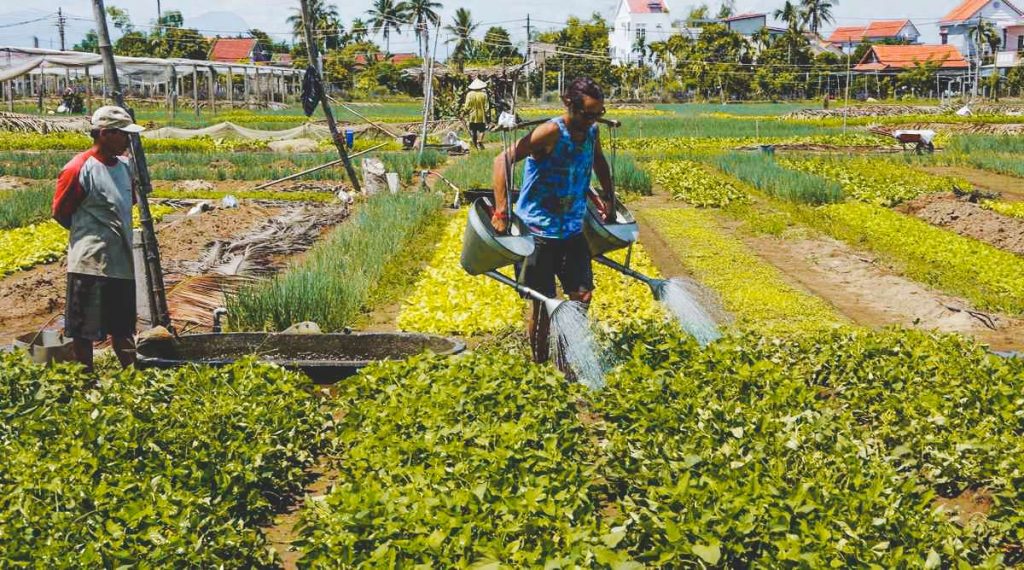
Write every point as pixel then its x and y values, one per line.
pixel 194 299
pixel 19 123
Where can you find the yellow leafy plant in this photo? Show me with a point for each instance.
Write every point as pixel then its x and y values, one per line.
pixel 751 289
pixel 447 300
pixel 45 242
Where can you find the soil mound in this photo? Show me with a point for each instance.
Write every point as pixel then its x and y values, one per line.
pixel 969 219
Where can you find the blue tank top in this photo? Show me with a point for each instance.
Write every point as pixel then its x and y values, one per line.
pixel 553 199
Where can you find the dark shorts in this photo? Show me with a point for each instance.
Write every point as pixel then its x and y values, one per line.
pixel 477 127
pixel 568 259
pixel 99 306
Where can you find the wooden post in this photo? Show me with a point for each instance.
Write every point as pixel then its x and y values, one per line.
pixel 195 89
pixel 231 89
pixel 213 90
pixel 307 25
pixel 259 89
pixel 40 85
pixel 10 95
pixel 159 313
pixel 88 90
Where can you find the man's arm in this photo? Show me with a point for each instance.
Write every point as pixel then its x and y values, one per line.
pixel 540 140
pixel 604 177
pixel 68 195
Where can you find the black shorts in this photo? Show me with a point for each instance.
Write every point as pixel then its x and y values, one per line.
pixel 568 259
pixel 477 127
pixel 99 306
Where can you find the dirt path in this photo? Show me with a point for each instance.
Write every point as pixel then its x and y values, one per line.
pixel 969 219
pixel 30 298
pixel 1011 187
pixel 860 288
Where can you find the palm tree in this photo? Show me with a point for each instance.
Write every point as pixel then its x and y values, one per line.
pixel 985 34
pixel 359 30
pixel 815 13
pixel 421 13
pixel 789 14
pixel 462 28
pixel 386 16
pixel 326 23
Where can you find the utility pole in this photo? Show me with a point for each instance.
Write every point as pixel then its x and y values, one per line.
pixel 307 26
pixel 159 313
pixel 61 20
pixel 528 52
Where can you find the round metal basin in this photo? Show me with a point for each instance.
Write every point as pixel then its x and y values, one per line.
pixel 325 358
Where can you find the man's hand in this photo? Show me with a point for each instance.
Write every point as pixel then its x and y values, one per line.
pixel 500 221
pixel 602 207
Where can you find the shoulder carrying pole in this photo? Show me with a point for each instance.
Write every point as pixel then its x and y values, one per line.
pixel 307 26
pixel 159 313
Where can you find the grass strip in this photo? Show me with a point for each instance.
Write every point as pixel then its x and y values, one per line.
pixel 763 172
pixel 332 283
pixel 874 180
pixel 24 206
pixel 751 289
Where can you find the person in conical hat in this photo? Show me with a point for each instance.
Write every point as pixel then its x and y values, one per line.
pixel 476 111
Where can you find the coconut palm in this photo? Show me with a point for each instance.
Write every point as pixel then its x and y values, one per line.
pixel 985 35
pixel 461 29
pixel 386 16
pixel 326 23
pixel 815 13
pixel 421 14
pixel 359 31
pixel 789 14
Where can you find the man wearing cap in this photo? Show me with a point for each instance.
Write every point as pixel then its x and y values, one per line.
pixel 476 108
pixel 94 201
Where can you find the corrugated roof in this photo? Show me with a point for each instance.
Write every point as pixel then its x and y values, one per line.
pixel 884 57
pixel 644 6
pixel 232 49
pixel 969 8
pixel 747 16
pixel 875 29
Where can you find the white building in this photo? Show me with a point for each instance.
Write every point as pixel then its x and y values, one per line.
pixel 956 28
pixel 637 21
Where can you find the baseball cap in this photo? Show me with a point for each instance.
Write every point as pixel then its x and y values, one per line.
pixel 114 117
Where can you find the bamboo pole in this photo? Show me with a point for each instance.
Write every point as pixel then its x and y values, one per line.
pixel 195 89
pixel 315 168
pixel 307 25
pixel 159 313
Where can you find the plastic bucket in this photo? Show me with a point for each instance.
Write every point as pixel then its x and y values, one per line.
pixel 485 250
pixel 604 237
pixel 46 346
pixel 350 138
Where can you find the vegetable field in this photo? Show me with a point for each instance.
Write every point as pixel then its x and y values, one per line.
pixel 863 407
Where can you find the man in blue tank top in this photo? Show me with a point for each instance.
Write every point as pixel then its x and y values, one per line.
pixel 560 156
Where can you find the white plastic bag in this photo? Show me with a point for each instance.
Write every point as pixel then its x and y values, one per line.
pixel 374 179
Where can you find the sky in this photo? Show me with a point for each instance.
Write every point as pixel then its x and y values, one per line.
pixel 229 16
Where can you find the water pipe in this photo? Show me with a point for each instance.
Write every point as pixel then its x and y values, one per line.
pixel 550 304
pixel 657 285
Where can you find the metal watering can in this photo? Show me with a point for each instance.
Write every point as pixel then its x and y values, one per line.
pixel 485 251
pixel 622 232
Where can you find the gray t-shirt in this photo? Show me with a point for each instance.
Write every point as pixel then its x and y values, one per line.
pixel 101 226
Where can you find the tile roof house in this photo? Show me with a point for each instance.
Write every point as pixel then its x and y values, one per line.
pixel 635 21
pixel 238 50
pixel 849 37
pixel 897 58
pixel 956 27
